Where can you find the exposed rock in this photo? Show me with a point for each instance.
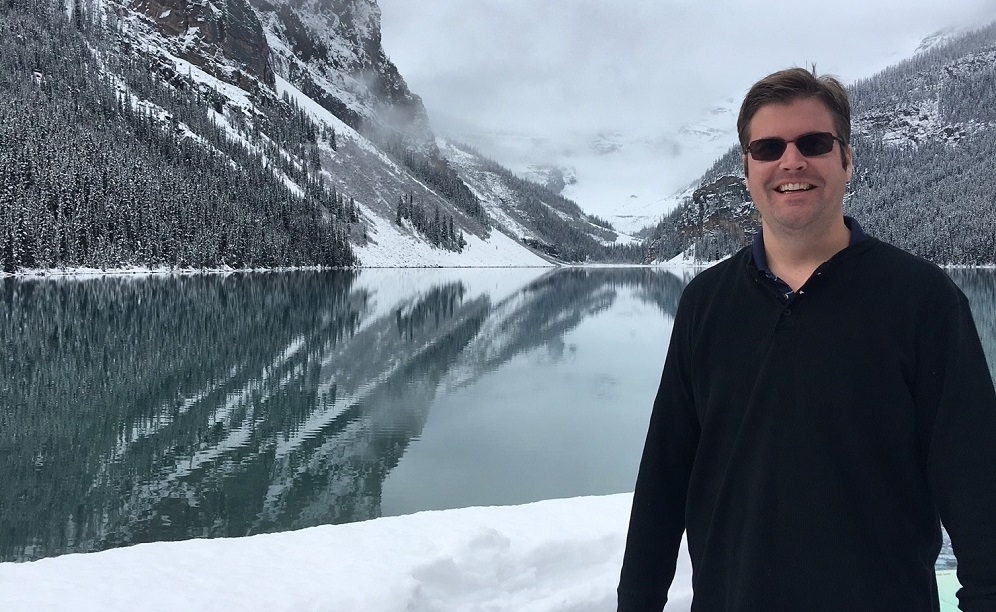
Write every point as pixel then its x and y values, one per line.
pixel 223 37
pixel 554 178
pixel 303 43
pixel 724 190
pixel 716 220
pixel 724 203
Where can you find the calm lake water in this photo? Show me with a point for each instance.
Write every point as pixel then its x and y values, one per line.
pixel 174 407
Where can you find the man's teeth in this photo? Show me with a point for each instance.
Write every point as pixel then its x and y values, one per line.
pixel 794 187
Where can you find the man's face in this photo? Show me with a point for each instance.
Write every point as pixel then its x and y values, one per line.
pixel 797 194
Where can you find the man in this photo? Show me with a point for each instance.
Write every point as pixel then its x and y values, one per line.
pixel 825 401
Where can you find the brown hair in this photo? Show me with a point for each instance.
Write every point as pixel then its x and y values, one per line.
pixel 786 86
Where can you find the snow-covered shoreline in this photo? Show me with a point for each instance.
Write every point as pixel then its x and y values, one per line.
pixel 138 272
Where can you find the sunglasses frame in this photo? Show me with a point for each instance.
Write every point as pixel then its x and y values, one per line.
pixel 785 144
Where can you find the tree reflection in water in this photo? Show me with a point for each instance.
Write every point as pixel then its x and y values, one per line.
pixel 176 407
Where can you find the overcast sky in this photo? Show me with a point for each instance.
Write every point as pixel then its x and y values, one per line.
pixel 540 72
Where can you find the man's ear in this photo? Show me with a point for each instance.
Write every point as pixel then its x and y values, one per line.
pixel 849 162
pixel 744 158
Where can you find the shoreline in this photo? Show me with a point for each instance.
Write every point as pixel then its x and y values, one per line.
pixel 68 273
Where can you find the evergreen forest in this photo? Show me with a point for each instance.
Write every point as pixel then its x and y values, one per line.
pixel 90 177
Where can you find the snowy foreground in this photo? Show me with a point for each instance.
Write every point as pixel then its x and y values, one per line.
pixel 556 555
pixel 550 555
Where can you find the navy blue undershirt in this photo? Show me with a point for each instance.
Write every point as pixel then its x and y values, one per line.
pixel 760 259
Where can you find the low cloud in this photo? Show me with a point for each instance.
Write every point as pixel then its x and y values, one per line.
pixel 554 72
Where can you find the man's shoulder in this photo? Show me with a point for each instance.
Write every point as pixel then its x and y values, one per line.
pixel 904 264
pixel 717 284
pixel 718 275
pixel 902 274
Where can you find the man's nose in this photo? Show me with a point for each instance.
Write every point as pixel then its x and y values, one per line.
pixel 792 159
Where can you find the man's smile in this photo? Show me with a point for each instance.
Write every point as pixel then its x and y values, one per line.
pixel 790 187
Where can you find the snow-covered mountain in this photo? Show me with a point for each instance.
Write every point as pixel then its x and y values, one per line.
pixel 296 94
pixel 605 172
pixel 274 133
pixel 529 211
pixel 327 59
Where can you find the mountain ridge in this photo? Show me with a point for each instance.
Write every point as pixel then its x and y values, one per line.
pixel 357 157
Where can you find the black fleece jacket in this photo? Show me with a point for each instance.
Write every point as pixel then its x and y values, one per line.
pixel 810 447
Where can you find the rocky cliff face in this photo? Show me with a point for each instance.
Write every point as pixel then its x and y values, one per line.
pixel 331 50
pixel 715 221
pixel 722 207
pixel 723 197
pixel 224 37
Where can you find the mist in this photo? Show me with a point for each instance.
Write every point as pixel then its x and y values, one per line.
pixel 636 98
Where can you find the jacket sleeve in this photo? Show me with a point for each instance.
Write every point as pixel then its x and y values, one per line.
pixel 961 462
pixel 657 519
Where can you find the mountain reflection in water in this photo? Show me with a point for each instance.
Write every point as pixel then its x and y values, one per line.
pixel 175 407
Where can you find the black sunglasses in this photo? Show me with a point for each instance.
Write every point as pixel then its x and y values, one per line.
pixel 810 145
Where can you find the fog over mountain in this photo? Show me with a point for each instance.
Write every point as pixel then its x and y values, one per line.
pixel 633 100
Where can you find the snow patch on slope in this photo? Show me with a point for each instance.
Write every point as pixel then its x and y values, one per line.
pixel 390 248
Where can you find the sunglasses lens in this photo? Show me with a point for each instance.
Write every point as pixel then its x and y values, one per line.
pixel 810 145
pixel 815 144
pixel 767 149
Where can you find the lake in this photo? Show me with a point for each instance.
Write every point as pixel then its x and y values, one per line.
pixel 137 409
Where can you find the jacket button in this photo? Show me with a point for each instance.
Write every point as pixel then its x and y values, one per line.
pixel 788 312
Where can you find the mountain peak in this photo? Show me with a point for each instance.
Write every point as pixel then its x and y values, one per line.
pixel 938 38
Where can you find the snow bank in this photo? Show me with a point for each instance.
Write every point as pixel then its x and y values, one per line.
pixel 556 555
